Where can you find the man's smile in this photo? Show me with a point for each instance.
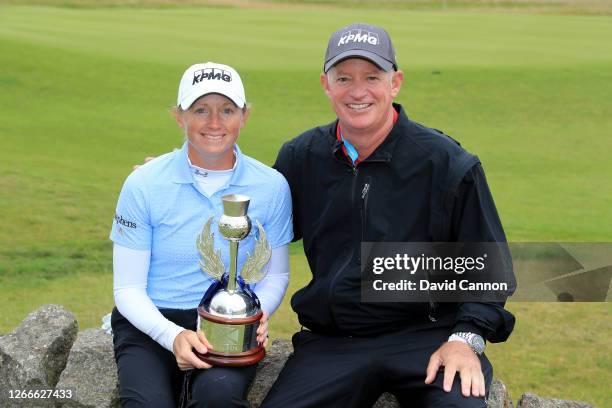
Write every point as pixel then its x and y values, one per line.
pixel 358 106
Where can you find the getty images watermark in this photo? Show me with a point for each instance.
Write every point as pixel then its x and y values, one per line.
pixel 485 272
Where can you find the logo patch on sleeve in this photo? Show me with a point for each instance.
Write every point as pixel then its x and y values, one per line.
pixel 122 221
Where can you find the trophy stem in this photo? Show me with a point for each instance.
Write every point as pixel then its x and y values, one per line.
pixel 231 282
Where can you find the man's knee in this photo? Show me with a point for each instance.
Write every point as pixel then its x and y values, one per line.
pixel 456 400
pixel 435 396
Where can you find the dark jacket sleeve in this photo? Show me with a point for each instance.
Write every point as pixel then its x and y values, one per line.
pixel 474 218
pixel 286 165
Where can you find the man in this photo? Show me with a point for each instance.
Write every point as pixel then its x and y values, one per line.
pixel 374 175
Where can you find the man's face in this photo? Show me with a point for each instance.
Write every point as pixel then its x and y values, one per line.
pixel 361 93
pixel 212 123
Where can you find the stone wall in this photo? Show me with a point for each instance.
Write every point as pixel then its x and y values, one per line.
pixel 46 352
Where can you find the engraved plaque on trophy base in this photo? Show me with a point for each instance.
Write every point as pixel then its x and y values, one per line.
pixel 235 339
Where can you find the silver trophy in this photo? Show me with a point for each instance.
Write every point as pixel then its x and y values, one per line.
pixel 229 311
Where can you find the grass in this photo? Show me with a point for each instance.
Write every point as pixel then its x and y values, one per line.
pixel 85 94
pixel 571 7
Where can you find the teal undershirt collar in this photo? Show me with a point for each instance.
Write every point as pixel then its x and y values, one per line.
pixel 350 149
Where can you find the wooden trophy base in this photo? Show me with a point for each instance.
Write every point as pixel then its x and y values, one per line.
pixel 233 360
pixel 237 358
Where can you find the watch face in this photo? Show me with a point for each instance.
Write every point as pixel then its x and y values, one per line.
pixel 478 344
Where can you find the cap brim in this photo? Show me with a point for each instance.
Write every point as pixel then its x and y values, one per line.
pixel 370 56
pixel 201 91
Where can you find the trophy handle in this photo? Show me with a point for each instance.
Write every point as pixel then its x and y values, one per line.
pixel 253 268
pixel 211 263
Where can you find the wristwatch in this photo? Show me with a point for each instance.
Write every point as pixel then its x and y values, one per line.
pixel 475 341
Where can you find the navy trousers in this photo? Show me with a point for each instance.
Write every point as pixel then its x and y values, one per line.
pixel 149 376
pixel 334 371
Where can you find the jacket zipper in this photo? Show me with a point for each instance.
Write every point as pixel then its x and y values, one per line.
pixel 364 205
pixel 364 197
pixel 348 260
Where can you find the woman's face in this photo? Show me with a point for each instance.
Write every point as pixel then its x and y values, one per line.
pixel 212 125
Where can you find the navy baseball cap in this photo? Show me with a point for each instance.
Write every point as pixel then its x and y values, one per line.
pixel 361 41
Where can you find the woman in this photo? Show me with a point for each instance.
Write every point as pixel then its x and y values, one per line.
pixel 157 280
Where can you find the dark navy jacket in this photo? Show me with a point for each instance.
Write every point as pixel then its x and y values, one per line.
pixel 419 185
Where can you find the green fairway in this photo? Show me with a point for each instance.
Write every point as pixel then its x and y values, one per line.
pixel 85 94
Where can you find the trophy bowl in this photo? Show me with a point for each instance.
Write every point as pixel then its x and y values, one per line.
pixel 229 312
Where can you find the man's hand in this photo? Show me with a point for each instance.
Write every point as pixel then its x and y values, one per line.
pixel 146 160
pixel 262 330
pixel 182 348
pixel 457 356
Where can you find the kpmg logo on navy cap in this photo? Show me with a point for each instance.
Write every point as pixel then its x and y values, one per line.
pixel 211 73
pixel 358 36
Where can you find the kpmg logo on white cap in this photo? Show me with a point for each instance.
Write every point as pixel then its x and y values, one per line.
pixel 211 73
pixel 357 36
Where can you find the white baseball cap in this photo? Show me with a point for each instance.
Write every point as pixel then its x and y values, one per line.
pixel 202 79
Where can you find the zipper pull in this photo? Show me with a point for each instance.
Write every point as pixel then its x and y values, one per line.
pixel 364 192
